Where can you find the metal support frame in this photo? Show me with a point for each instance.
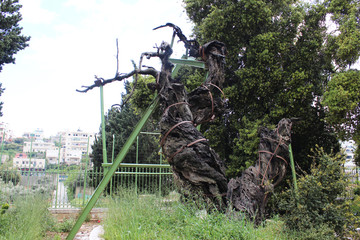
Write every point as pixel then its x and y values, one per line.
pixel 293 173
pixel 58 173
pixel 113 166
pixel 85 174
pixel 2 146
pixel 106 179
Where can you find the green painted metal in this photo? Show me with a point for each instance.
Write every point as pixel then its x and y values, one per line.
pixel 188 62
pixel 28 174
pixel 141 165
pixel 85 174
pixel 112 160
pixel 292 164
pixel 2 146
pixel 142 173
pixel 160 171
pixel 120 157
pixel 58 173
pixel 103 124
pixel 137 162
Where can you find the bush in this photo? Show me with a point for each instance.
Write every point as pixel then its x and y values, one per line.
pixel 321 209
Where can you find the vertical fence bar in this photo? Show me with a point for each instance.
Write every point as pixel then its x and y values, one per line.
pixel 293 172
pixel 160 171
pixel 58 172
pixel 85 174
pixel 112 160
pixel 28 174
pixel 2 146
pixel 137 162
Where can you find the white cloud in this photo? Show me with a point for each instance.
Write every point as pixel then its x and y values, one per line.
pixel 32 12
pixel 40 87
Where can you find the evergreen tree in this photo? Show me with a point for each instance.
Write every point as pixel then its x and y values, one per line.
pixel 278 66
pixel 11 40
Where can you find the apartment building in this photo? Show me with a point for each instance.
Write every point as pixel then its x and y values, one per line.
pixel 22 162
pixel 38 146
pixel 349 148
pixel 74 146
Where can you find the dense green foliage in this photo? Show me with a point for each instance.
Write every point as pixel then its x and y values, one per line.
pixel 11 40
pixel 320 206
pixel 280 58
pixel 343 100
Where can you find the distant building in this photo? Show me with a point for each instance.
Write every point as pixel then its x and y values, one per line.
pixel 37 134
pixel 52 156
pixel 351 170
pixel 74 145
pixel 26 164
pixel 349 148
pixel 37 145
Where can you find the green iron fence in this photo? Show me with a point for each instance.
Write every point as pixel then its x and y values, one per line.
pixel 72 188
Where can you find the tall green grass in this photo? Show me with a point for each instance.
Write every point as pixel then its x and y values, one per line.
pixel 27 219
pixel 150 217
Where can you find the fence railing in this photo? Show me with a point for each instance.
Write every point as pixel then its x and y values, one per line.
pixel 72 188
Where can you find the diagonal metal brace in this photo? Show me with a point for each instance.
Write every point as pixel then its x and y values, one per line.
pixel 106 179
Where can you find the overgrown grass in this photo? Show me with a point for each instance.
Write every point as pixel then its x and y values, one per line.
pixel 150 217
pixel 27 218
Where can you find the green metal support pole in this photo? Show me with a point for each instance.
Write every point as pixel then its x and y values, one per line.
pixel 112 160
pixel 85 174
pixel 58 173
pixel 103 125
pixel 28 178
pixel 160 171
pixel 137 162
pixel 120 157
pixel 2 146
pixel 292 164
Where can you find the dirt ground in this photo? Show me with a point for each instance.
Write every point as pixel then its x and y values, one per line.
pixel 83 233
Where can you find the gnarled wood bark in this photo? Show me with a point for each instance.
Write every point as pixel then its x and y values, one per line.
pixel 197 169
pixel 250 192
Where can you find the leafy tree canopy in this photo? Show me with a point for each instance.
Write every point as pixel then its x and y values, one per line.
pixel 343 101
pixel 11 40
pixel 280 57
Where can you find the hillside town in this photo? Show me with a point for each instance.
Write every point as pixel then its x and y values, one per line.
pixel 33 151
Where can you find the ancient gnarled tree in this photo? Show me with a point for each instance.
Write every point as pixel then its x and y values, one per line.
pixel 198 171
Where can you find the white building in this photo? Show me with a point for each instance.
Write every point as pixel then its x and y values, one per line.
pixel 351 170
pixel 37 145
pixel 52 156
pixel 349 148
pixel 74 145
pixel 26 164
pixel 37 134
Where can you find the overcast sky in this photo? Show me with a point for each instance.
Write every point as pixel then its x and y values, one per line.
pixel 71 41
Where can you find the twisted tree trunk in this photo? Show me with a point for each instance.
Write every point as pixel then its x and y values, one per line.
pixel 250 192
pixel 198 171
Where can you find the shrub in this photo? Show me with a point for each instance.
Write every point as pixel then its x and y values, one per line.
pixel 320 208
